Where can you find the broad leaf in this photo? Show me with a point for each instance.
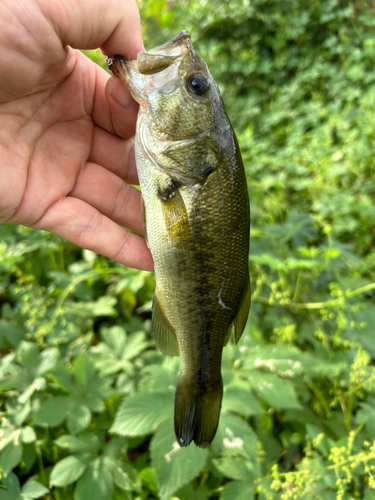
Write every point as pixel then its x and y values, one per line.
pixel 96 483
pixel 238 490
pixel 142 414
pixel 10 456
pixel 53 411
pixel 79 418
pixel 69 469
pixel 33 489
pixel 175 466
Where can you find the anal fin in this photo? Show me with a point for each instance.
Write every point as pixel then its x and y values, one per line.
pixel 243 312
pixel 228 334
pixel 165 336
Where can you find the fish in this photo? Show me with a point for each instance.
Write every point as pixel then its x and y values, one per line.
pixel 196 218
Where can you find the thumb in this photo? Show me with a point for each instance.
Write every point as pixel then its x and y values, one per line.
pixel 122 106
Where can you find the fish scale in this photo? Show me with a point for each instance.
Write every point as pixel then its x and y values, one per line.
pixel 196 214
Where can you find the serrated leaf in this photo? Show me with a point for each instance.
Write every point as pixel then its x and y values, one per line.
pixel 54 411
pixel 142 414
pixel 10 456
pixel 69 469
pixel 47 360
pixel 238 490
pixel 79 418
pixel 104 306
pixel 235 467
pixel 84 444
pixel 278 393
pixel 96 483
pixel 235 436
pixel 241 401
pixel 123 475
pixel 286 360
pixel 33 489
pixel 135 344
pixel 175 466
pixel 115 338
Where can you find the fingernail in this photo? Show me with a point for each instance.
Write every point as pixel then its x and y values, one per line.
pixel 120 94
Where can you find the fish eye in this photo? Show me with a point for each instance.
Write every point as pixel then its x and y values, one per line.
pixel 197 84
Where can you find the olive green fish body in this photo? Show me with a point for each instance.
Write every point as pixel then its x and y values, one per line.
pixel 197 223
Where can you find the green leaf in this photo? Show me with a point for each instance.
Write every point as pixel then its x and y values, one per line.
pixel 104 306
pixel 236 467
pixel 79 418
pixel 12 485
pixel 84 370
pixel 149 479
pixel 234 436
pixel 238 490
pixel 123 475
pixel 69 469
pixel 174 466
pixel 115 338
pixel 278 393
pixel 135 344
pixel 96 483
pixel 28 435
pixel 33 489
pixel 47 360
pixel 12 332
pixel 87 443
pixel 54 411
pixel 10 456
pixel 142 414
pixel 241 401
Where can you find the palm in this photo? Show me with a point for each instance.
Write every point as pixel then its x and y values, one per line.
pixel 64 167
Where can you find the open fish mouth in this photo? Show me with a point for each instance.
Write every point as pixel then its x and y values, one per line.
pixel 155 60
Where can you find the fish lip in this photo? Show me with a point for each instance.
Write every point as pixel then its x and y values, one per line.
pixel 116 63
pixel 182 39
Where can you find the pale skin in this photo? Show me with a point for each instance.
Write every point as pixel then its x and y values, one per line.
pixel 66 154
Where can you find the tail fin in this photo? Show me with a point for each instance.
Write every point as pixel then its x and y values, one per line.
pixel 196 413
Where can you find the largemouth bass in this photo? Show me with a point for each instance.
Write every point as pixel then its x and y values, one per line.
pixel 196 215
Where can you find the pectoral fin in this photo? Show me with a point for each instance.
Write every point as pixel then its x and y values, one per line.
pixel 243 312
pixel 165 336
pixel 174 211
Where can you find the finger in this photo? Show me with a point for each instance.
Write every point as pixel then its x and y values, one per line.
pixel 113 107
pixel 110 195
pixel 122 106
pixel 114 25
pixel 114 154
pixel 83 225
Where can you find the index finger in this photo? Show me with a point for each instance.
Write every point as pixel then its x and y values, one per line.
pixel 113 25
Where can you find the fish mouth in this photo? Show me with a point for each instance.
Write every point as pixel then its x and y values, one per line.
pixel 155 60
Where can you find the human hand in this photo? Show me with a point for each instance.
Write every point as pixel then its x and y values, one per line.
pixel 66 154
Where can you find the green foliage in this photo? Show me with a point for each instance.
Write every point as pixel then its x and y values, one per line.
pixel 87 400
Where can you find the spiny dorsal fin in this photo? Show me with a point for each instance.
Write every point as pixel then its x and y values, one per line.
pixel 165 336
